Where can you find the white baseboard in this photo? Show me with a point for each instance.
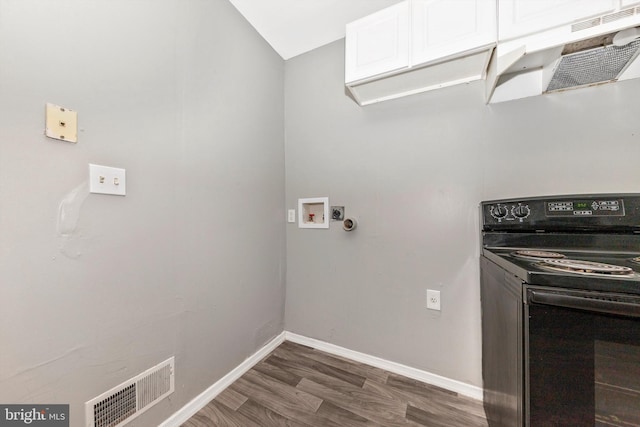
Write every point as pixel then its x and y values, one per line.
pixel 397 368
pixel 200 401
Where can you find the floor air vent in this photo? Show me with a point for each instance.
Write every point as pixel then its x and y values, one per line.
pixel 131 398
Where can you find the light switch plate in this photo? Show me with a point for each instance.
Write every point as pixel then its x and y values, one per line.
pixel 107 180
pixel 291 215
pixel 61 123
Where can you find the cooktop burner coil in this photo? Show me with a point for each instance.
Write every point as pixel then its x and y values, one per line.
pixel 537 254
pixel 585 267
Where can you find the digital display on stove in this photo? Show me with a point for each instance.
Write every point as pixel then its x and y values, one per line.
pixel 586 208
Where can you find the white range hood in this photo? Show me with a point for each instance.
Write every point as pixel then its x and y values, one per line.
pixel 582 54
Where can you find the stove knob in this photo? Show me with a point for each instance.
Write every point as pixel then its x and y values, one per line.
pixel 521 211
pixel 499 211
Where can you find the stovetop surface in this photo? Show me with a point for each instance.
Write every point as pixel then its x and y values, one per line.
pixel 531 271
pixel 598 228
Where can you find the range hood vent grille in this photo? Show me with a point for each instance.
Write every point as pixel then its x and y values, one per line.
pixel 605 19
pixel 593 66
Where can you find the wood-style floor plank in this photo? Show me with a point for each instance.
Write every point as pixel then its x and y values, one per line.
pixel 309 374
pixel 231 399
pixel 266 417
pixel 415 386
pixel 460 410
pixel 287 408
pixel 344 417
pixel 433 398
pixel 313 365
pixel 426 418
pixel 369 372
pixel 216 414
pixel 386 412
pixel 298 386
pixel 305 401
pixel 274 371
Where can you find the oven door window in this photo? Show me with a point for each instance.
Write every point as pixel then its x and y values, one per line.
pixel 583 368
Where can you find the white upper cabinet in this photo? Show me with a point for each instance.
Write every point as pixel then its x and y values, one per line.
pixel 416 32
pixel 418 45
pixel 441 28
pixel 378 43
pixel 521 17
pixel 626 3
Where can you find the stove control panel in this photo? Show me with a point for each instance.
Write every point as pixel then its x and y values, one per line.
pixel 580 212
pixel 586 207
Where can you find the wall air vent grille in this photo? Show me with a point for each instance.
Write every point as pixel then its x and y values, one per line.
pixel 592 66
pixel 154 385
pixel 115 408
pixel 126 401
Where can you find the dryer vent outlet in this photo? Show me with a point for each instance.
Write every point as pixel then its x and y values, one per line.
pixel 133 397
pixel 349 224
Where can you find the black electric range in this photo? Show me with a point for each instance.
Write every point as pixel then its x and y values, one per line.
pixel 560 297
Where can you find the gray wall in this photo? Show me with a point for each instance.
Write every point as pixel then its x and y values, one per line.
pixel 413 171
pixel 189 99
pixel 95 289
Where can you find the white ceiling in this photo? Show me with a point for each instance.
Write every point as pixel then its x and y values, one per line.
pixel 293 27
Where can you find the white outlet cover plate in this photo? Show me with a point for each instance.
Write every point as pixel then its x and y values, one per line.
pixel 433 299
pixel 107 180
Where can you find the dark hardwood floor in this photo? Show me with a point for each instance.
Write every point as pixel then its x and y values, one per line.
pixel 297 385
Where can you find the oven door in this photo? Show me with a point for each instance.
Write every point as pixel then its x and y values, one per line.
pixel 582 358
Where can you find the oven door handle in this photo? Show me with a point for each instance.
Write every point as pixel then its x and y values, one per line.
pixel 587 303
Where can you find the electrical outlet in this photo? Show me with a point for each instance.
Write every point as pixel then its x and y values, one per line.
pixel 433 299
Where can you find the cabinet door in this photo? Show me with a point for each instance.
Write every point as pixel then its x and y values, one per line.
pixel 520 17
pixel 378 43
pixel 626 3
pixel 442 28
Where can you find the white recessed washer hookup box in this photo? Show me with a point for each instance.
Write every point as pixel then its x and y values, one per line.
pixel 313 212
